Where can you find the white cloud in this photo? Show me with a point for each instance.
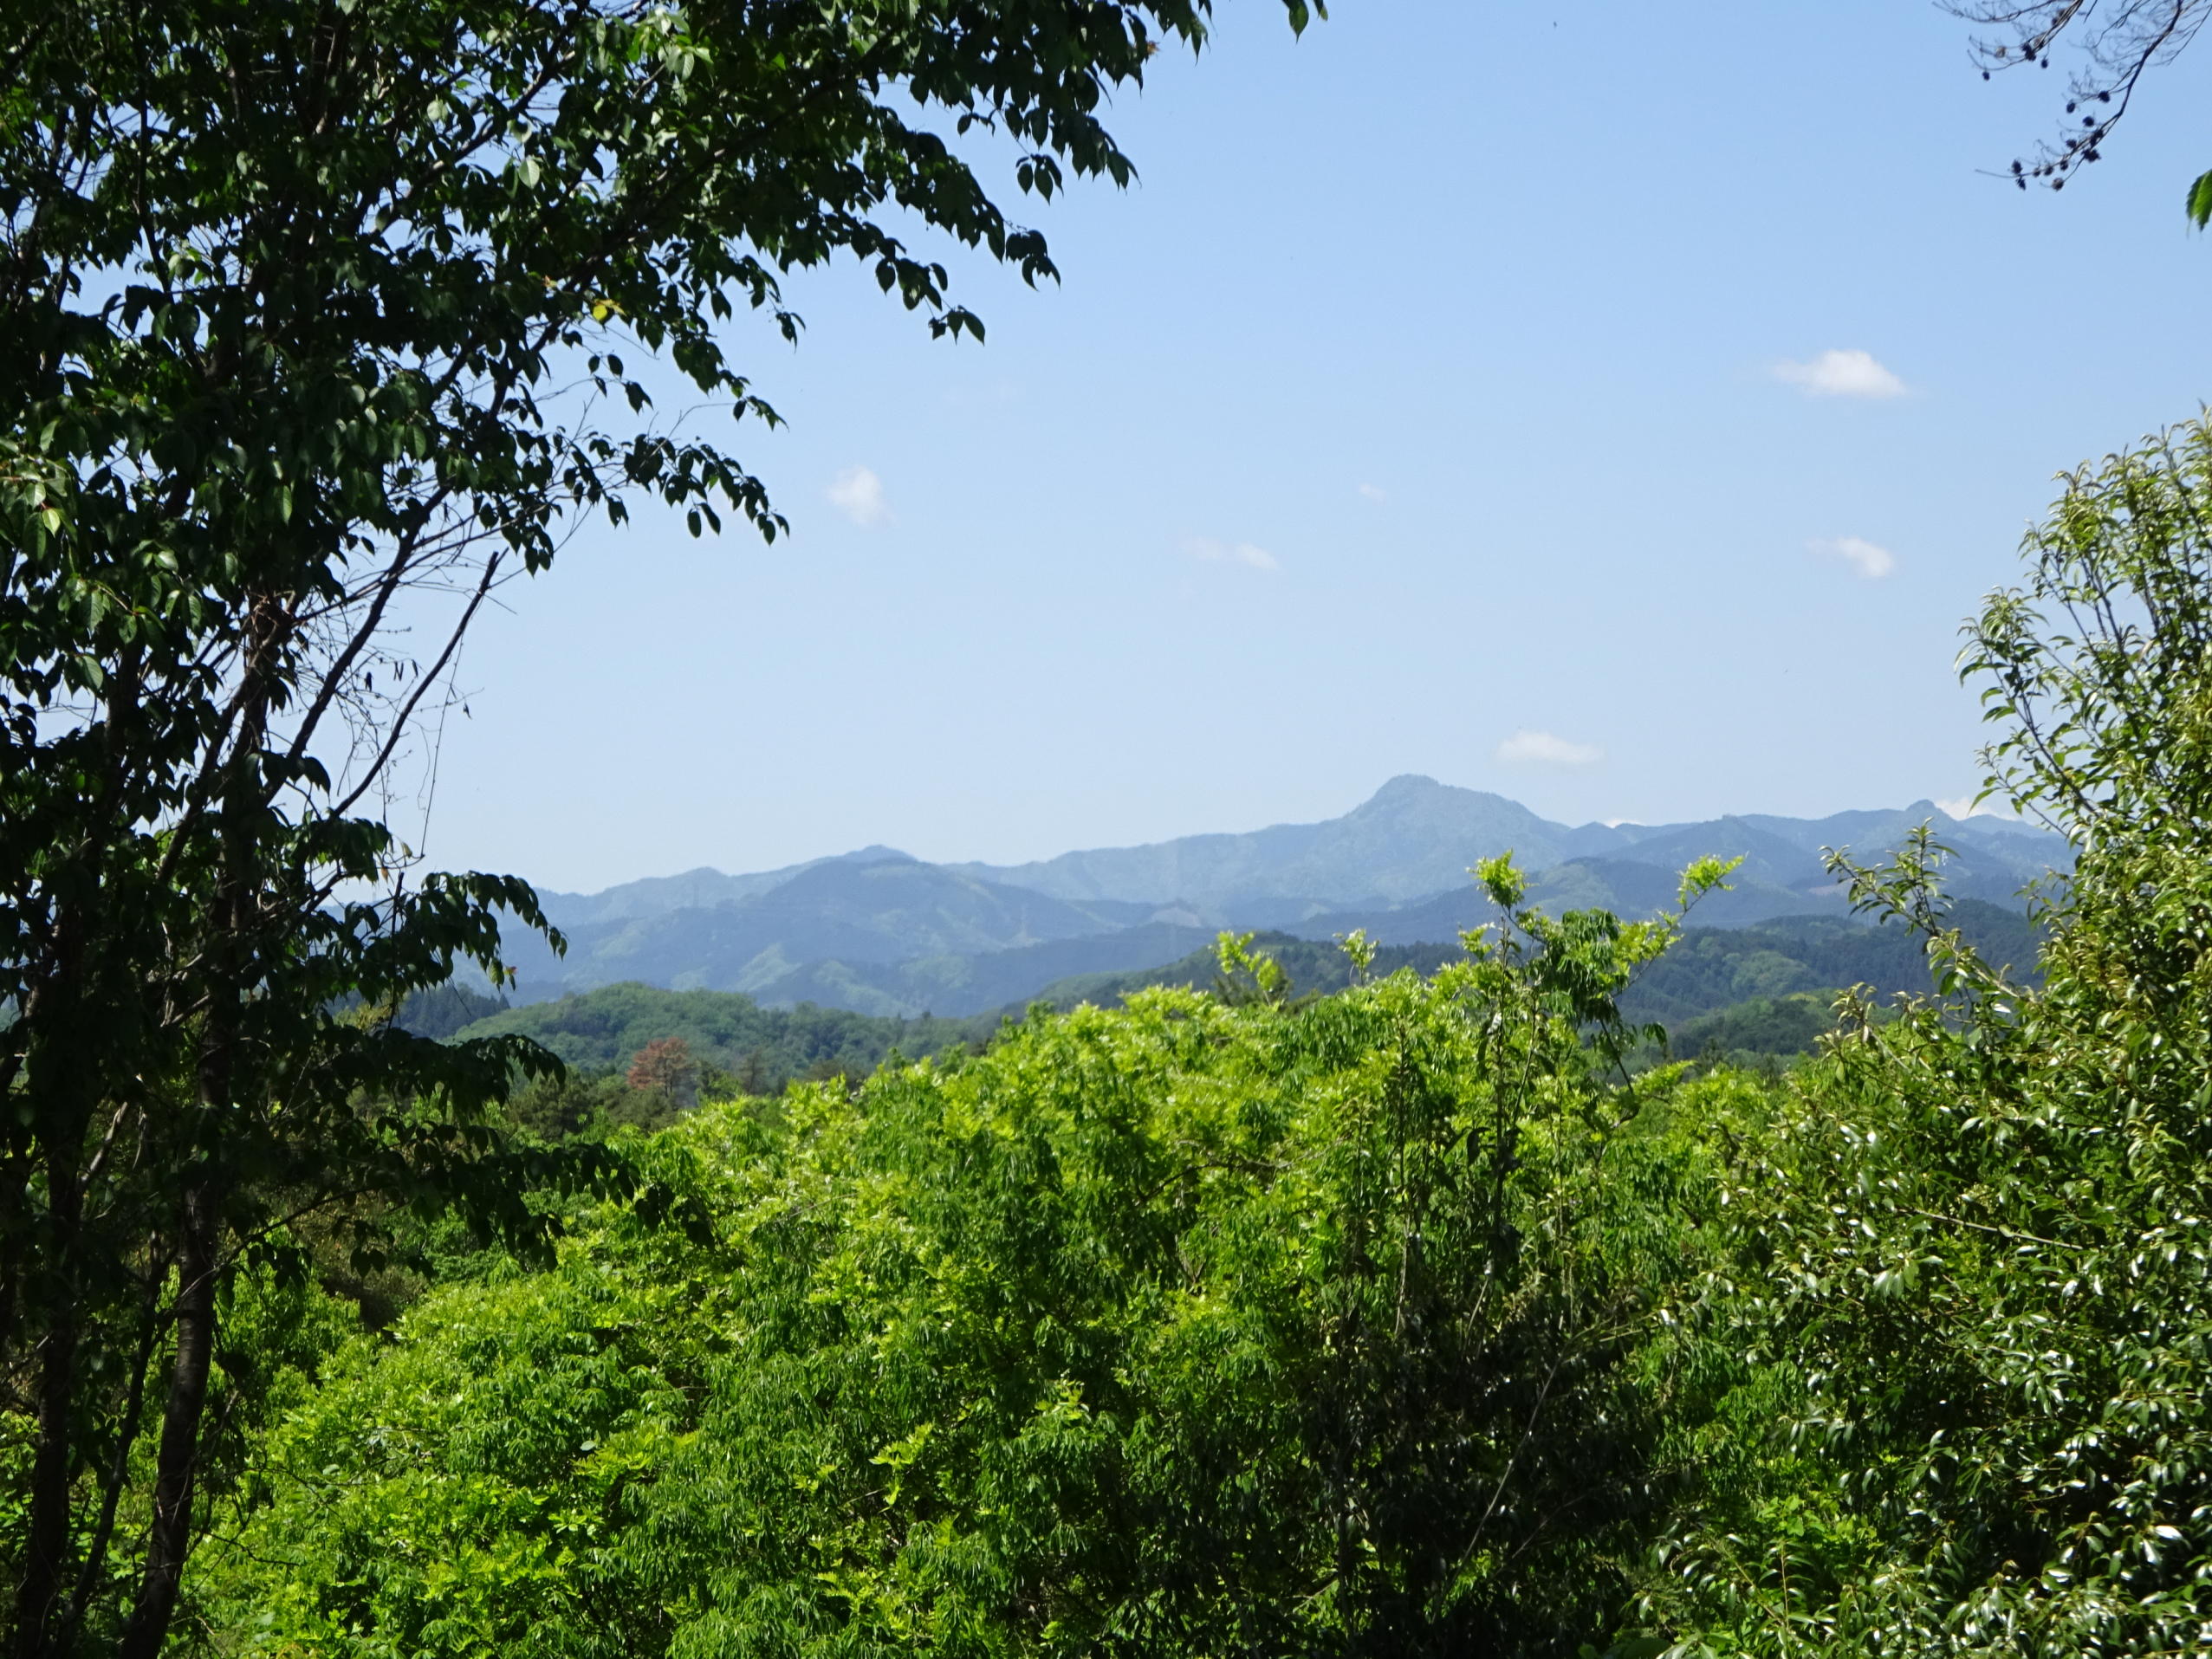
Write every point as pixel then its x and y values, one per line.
pixel 1842 375
pixel 1964 806
pixel 1373 494
pixel 858 493
pixel 1205 548
pixel 1527 748
pixel 1871 563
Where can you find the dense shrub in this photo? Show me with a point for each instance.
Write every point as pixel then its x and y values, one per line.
pixel 1188 1328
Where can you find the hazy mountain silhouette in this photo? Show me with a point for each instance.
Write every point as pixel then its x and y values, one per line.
pixel 879 931
pixel 872 909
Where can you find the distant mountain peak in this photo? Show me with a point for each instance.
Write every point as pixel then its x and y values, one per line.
pixel 876 853
pixel 1419 791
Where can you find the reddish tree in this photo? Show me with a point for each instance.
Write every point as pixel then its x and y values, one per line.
pixel 666 1066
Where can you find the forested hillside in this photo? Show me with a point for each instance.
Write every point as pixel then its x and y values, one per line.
pixel 757 1049
pixel 1708 969
pixel 1765 992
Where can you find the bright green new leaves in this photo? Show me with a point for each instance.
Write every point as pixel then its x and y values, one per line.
pixel 1199 1327
pixel 1979 1247
pixel 1565 976
pixel 1391 1321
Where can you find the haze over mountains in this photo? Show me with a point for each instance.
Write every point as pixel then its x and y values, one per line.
pixel 880 932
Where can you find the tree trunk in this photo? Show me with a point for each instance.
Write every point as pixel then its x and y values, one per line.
pixel 58 1080
pixel 119 1472
pixel 199 1225
pixel 47 1540
pixel 169 1537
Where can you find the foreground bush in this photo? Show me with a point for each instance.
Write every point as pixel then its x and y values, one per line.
pixel 1191 1328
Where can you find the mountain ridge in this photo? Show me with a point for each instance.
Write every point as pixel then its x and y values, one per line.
pixel 880 932
pixel 1406 839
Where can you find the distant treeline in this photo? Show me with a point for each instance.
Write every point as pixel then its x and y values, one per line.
pixel 750 1049
pixel 1750 996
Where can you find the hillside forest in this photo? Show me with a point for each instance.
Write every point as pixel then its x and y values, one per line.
pixel 1760 997
pixel 1760 1239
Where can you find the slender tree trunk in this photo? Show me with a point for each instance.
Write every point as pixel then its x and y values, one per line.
pixel 68 1046
pixel 47 1538
pixel 169 1537
pixel 60 1076
pixel 118 1471
pixel 177 1462
pixel 230 959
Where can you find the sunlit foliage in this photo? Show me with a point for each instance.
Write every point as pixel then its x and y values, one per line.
pixel 1203 1326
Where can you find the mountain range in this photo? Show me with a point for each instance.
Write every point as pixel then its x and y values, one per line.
pixel 881 932
pixel 878 932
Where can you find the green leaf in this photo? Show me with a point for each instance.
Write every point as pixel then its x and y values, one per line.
pixel 2200 201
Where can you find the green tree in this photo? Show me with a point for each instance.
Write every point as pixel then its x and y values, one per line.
pixel 1199 1326
pixel 313 313
pixel 1977 1255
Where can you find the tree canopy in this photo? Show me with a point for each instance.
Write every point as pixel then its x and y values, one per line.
pixel 1209 1325
pixel 318 322
pixel 1408 1319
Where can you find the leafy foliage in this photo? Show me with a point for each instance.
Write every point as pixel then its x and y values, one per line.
pixel 1712 969
pixel 1978 1254
pixel 313 318
pixel 1764 993
pixel 1405 1316
pixel 1196 1326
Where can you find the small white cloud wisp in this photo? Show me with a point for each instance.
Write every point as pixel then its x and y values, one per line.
pixel 858 493
pixel 1207 550
pixel 1842 375
pixel 1963 806
pixel 1373 494
pixel 1872 563
pixel 1527 748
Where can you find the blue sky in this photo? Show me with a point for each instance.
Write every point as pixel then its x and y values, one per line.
pixel 1448 397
